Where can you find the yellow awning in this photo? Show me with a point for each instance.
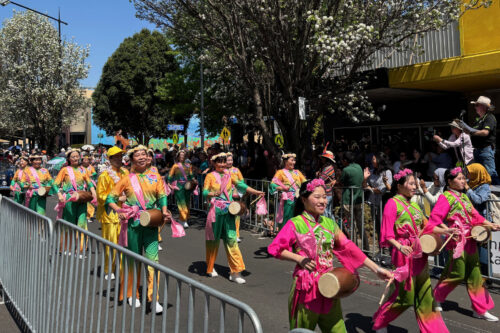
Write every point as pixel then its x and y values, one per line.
pixel 462 74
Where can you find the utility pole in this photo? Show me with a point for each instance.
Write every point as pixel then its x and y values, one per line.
pixel 202 111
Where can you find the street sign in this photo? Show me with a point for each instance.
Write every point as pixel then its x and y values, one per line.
pixel 225 134
pixel 302 108
pixel 278 139
pixel 175 138
pixel 175 127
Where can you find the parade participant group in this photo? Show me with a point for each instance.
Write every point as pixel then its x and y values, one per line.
pixel 308 236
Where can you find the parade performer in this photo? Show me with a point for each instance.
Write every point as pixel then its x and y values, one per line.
pixel 144 190
pixel 218 189
pixel 402 224
pixel 110 224
pixel 236 177
pixel 19 182
pixel 454 210
pixel 288 181
pixel 70 179
pixel 38 177
pixel 312 240
pixel 93 178
pixel 180 173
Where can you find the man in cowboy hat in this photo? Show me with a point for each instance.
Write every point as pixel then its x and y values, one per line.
pixel 460 140
pixel 483 135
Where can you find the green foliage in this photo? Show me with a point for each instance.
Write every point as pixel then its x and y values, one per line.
pixel 39 78
pixel 139 87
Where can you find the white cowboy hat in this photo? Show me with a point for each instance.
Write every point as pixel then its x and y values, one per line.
pixel 484 101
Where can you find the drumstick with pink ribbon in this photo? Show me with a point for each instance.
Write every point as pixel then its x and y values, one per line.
pixel 257 199
pixel 446 242
pixel 386 290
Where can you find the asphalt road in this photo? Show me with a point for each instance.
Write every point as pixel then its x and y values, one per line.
pixel 268 285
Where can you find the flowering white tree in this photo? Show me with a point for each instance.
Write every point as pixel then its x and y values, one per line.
pixel 278 50
pixel 39 78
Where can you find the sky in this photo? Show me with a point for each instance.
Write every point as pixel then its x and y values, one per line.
pixel 100 24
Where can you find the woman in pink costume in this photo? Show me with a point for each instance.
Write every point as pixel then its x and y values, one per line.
pixel 402 224
pixel 454 210
pixel 311 241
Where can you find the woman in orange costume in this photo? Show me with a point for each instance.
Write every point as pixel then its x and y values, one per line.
pixel 218 189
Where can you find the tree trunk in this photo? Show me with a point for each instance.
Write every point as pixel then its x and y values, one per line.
pixel 266 134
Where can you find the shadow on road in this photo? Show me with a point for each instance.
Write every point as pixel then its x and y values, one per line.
pixel 355 322
pixel 262 253
pixel 453 306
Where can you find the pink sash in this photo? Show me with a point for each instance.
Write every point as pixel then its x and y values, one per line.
pixel 131 211
pixel 29 193
pixel 183 172
pixel 465 229
pixel 72 177
pixel 217 202
pixel 405 272
pixel 261 207
pixel 59 208
pixel 19 176
pixel 291 180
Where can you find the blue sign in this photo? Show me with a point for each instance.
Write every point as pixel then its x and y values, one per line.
pixel 175 127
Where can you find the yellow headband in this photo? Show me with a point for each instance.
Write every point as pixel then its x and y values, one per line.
pixel 287 156
pixel 218 155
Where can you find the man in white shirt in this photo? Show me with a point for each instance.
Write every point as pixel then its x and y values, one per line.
pixel 459 141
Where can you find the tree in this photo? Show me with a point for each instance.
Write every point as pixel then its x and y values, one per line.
pixel 39 78
pixel 278 50
pixel 128 95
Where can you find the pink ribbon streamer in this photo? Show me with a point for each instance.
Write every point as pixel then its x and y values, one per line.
pixel 174 186
pixel 196 190
pixel 129 212
pixel 29 195
pixel 177 229
pixel 215 202
pixel 59 208
pixel 167 189
pixel 284 196
pixel 405 272
pixel 261 207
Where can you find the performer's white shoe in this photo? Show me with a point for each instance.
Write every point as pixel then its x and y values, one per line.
pixel 438 307
pixel 486 316
pixel 236 277
pixel 186 225
pixel 382 330
pixel 137 302
pixel 239 240
pixel 160 248
pixel 213 273
pixel 109 276
pixel 158 308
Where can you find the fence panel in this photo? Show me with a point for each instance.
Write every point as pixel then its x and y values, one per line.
pixel 25 261
pixel 54 276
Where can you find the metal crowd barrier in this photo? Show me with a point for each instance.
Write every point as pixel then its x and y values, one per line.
pixel 25 259
pixel 54 275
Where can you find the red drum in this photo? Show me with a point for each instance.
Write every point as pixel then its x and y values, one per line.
pixel 43 191
pixel 83 196
pixel 431 244
pixel 338 283
pixel 151 218
pixel 480 233
pixel 189 185
pixel 237 208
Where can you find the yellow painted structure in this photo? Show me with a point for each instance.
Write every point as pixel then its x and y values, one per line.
pixel 478 68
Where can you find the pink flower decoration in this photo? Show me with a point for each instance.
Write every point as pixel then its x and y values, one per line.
pixel 402 173
pixel 455 171
pixel 315 183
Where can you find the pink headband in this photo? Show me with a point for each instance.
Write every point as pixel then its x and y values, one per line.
pixel 402 173
pixel 455 171
pixel 315 183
